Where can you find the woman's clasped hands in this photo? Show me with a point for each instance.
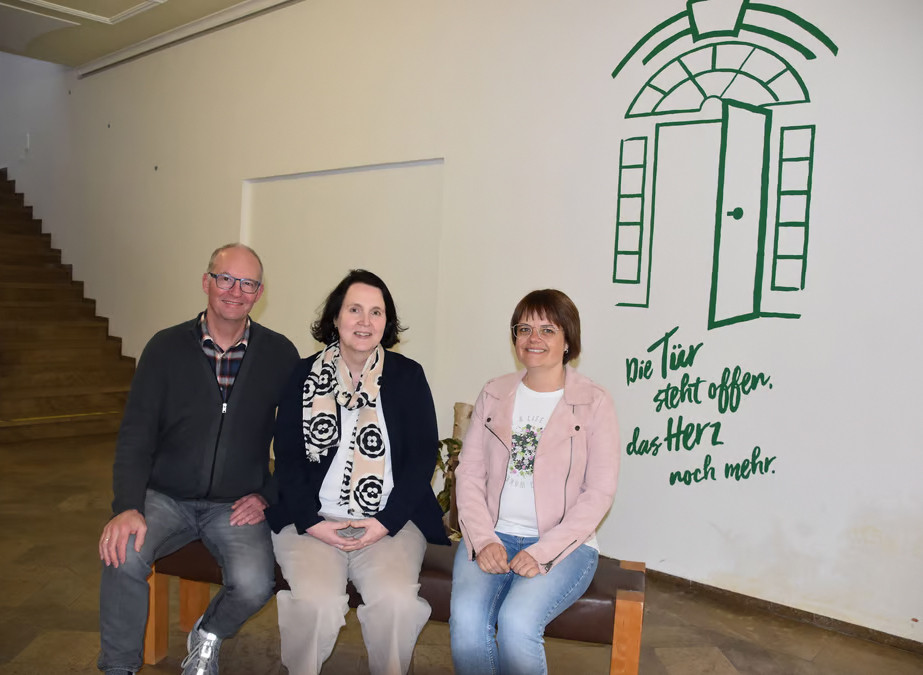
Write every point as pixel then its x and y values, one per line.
pixel 493 560
pixel 329 532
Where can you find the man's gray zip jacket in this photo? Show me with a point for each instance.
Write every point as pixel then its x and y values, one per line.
pixel 178 437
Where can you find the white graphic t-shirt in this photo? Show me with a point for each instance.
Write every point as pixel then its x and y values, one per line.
pixel 517 501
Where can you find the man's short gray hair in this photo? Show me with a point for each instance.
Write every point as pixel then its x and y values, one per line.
pixel 236 244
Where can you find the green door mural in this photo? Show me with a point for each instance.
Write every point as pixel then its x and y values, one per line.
pixel 744 78
pixel 740 221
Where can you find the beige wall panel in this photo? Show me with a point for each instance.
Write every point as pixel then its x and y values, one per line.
pixel 310 229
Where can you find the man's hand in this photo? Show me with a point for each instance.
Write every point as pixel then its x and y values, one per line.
pixel 492 559
pixel 524 565
pixel 113 543
pixel 248 510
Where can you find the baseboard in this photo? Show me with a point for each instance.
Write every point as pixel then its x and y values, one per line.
pixel 850 629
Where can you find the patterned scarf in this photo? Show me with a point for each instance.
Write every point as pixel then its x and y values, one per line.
pixel 329 385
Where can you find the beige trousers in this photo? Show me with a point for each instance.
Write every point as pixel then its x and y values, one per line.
pixel 386 574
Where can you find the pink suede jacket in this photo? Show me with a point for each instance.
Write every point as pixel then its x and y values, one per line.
pixel 574 476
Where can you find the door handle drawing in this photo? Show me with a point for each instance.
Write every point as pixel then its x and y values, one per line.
pixel 737 213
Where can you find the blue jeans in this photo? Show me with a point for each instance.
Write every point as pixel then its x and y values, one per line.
pixel 497 621
pixel 243 551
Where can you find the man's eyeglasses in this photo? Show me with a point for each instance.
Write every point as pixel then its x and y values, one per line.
pixel 226 282
pixel 524 330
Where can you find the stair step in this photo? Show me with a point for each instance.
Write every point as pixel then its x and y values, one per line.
pixel 9 198
pixel 19 267
pixel 25 242
pixel 35 273
pixel 37 257
pixel 61 426
pixel 11 291
pixel 11 211
pixel 16 379
pixel 59 351
pixel 22 226
pixel 47 311
pixel 77 329
pixel 104 376
pixel 53 401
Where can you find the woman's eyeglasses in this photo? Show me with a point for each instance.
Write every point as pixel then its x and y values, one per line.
pixel 524 330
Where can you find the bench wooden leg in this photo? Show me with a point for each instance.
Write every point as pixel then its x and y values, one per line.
pixel 626 633
pixel 194 597
pixel 156 633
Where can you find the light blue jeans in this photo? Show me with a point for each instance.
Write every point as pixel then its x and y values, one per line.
pixel 498 621
pixel 243 551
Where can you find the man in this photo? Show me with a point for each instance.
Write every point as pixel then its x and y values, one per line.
pixel 192 462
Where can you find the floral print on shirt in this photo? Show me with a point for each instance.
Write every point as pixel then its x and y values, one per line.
pixel 522 457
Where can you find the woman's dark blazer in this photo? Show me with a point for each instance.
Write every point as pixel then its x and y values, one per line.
pixel 410 417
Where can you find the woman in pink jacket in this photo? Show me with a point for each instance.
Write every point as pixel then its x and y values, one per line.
pixel 537 474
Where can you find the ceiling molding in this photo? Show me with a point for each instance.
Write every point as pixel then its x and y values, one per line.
pixel 18 26
pixel 109 21
pixel 238 12
pixel 32 11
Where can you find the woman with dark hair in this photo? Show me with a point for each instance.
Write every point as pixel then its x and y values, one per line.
pixel 537 474
pixel 356 445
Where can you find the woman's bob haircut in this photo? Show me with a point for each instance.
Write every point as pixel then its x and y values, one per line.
pixel 324 330
pixel 557 308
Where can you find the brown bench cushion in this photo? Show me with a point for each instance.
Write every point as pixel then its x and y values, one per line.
pixel 590 619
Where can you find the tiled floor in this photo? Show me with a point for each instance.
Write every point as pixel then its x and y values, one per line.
pixel 54 498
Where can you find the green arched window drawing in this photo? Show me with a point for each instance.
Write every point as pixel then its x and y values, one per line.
pixel 740 71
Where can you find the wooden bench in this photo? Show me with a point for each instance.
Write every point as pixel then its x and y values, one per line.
pixel 610 612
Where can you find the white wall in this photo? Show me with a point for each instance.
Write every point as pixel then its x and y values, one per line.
pixel 515 104
pixel 35 137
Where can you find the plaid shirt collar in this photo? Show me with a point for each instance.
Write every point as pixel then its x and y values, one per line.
pixel 207 340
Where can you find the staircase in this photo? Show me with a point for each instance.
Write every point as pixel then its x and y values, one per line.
pixel 61 374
